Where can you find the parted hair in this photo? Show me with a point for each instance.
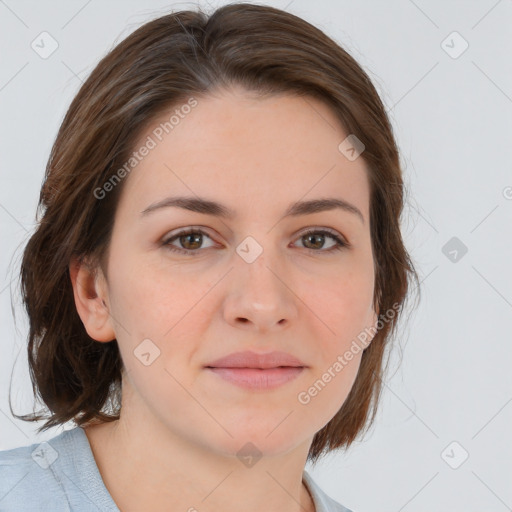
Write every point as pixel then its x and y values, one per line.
pixel 159 65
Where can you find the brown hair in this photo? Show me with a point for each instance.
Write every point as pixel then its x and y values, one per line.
pixel 164 62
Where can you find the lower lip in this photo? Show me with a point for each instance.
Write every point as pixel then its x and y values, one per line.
pixel 254 378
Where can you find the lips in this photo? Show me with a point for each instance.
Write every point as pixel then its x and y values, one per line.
pixel 257 372
pixel 249 359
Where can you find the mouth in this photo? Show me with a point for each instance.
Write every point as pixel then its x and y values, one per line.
pixel 257 371
pixel 258 378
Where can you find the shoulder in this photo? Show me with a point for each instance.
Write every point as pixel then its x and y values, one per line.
pixel 323 502
pixel 50 475
pixel 27 477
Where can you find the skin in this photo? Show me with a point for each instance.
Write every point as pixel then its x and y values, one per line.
pixel 175 444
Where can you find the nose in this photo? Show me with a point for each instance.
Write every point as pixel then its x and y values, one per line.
pixel 259 297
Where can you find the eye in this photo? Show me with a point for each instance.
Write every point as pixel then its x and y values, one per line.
pixel 316 238
pixel 191 240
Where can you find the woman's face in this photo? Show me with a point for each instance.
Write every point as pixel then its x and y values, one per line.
pixel 248 282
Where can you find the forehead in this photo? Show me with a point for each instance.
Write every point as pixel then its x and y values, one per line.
pixel 246 152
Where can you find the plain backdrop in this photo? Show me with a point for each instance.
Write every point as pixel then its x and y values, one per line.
pixel 442 440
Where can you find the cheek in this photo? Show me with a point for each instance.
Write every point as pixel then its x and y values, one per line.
pixel 327 390
pixel 345 307
pixel 343 304
pixel 153 299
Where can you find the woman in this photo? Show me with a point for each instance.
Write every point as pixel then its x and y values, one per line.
pixel 216 274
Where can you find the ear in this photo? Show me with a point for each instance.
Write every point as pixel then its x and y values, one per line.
pixel 91 300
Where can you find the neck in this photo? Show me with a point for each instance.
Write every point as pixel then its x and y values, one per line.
pixel 146 467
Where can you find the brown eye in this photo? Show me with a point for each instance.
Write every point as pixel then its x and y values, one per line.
pixel 314 240
pixel 189 241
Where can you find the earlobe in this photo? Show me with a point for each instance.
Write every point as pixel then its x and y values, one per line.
pixel 90 294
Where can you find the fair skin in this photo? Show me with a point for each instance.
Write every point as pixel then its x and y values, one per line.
pixel 175 445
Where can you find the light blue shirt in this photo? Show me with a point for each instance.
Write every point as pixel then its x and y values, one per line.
pixel 61 475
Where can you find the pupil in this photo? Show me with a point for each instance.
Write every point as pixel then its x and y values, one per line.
pixel 191 237
pixel 314 236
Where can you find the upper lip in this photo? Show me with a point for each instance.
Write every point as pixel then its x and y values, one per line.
pixel 248 359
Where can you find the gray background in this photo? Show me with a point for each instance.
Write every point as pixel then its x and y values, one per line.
pixel 452 115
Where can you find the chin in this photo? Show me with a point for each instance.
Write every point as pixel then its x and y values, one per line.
pixel 263 440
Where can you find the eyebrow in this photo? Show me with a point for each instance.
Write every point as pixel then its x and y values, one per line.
pixel 207 207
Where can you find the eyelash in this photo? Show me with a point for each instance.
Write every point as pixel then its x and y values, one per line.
pixel 340 243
